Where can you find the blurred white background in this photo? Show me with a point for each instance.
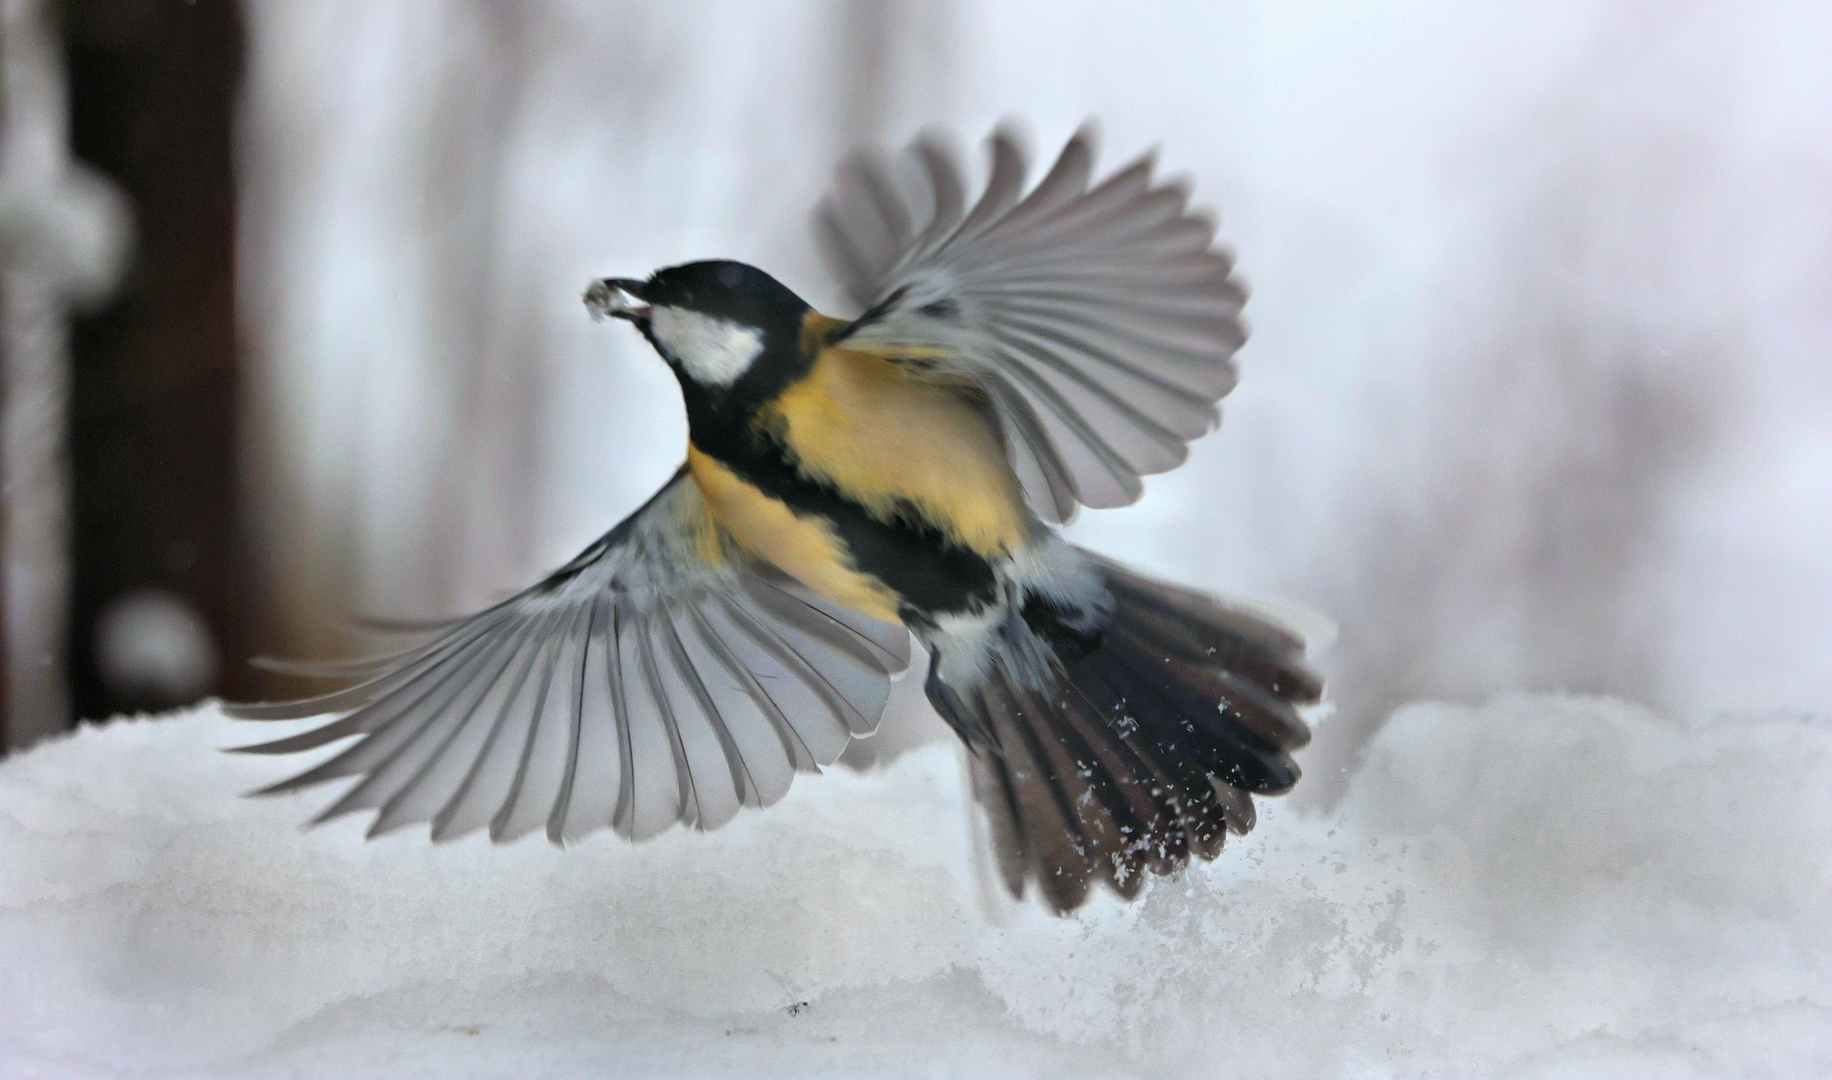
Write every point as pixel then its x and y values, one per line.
pixel 1537 395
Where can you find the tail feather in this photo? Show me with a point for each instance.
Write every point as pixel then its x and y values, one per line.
pixel 1064 839
pixel 994 791
pixel 1061 797
pixel 1189 726
pixel 1140 742
pixel 1273 721
pixel 1134 789
pixel 1201 631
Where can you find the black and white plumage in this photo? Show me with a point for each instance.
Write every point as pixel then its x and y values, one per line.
pixel 849 483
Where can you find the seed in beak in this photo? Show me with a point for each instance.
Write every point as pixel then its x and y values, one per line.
pixel 616 298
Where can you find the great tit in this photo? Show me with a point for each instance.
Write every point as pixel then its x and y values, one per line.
pixel 848 483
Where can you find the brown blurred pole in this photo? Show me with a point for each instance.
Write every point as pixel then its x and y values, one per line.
pixel 153 411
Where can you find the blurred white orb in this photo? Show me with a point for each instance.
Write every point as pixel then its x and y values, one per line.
pixel 153 644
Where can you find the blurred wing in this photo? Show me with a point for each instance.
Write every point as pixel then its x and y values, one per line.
pixel 656 678
pixel 1098 320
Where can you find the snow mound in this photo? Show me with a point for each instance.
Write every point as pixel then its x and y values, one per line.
pixel 1543 887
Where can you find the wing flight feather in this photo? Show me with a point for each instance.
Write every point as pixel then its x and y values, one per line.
pixel 1099 320
pixel 637 687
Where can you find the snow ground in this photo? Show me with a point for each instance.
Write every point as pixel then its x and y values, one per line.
pixel 1542 886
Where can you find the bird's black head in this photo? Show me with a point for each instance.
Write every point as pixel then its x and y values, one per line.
pixel 724 327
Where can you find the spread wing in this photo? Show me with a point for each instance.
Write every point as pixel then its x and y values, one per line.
pixel 658 677
pixel 1098 320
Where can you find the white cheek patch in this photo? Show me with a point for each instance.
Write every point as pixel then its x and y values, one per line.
pixel 714 351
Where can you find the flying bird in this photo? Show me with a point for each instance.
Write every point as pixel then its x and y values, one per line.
pixel 849 483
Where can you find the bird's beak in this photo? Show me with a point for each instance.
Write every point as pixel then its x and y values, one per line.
pixel 617 298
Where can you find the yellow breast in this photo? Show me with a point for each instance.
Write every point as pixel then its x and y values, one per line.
pixel 802 547
pixel 902 445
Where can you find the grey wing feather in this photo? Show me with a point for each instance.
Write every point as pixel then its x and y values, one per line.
pixel 1099 320
pixel 637 687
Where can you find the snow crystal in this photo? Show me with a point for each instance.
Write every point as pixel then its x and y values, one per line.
pixel 1542 886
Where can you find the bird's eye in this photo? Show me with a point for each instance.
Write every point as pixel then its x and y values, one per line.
pixel 945 308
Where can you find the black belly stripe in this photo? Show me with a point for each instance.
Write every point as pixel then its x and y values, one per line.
pixel 930 574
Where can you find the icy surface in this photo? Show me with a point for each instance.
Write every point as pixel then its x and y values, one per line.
pixel 1543 887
